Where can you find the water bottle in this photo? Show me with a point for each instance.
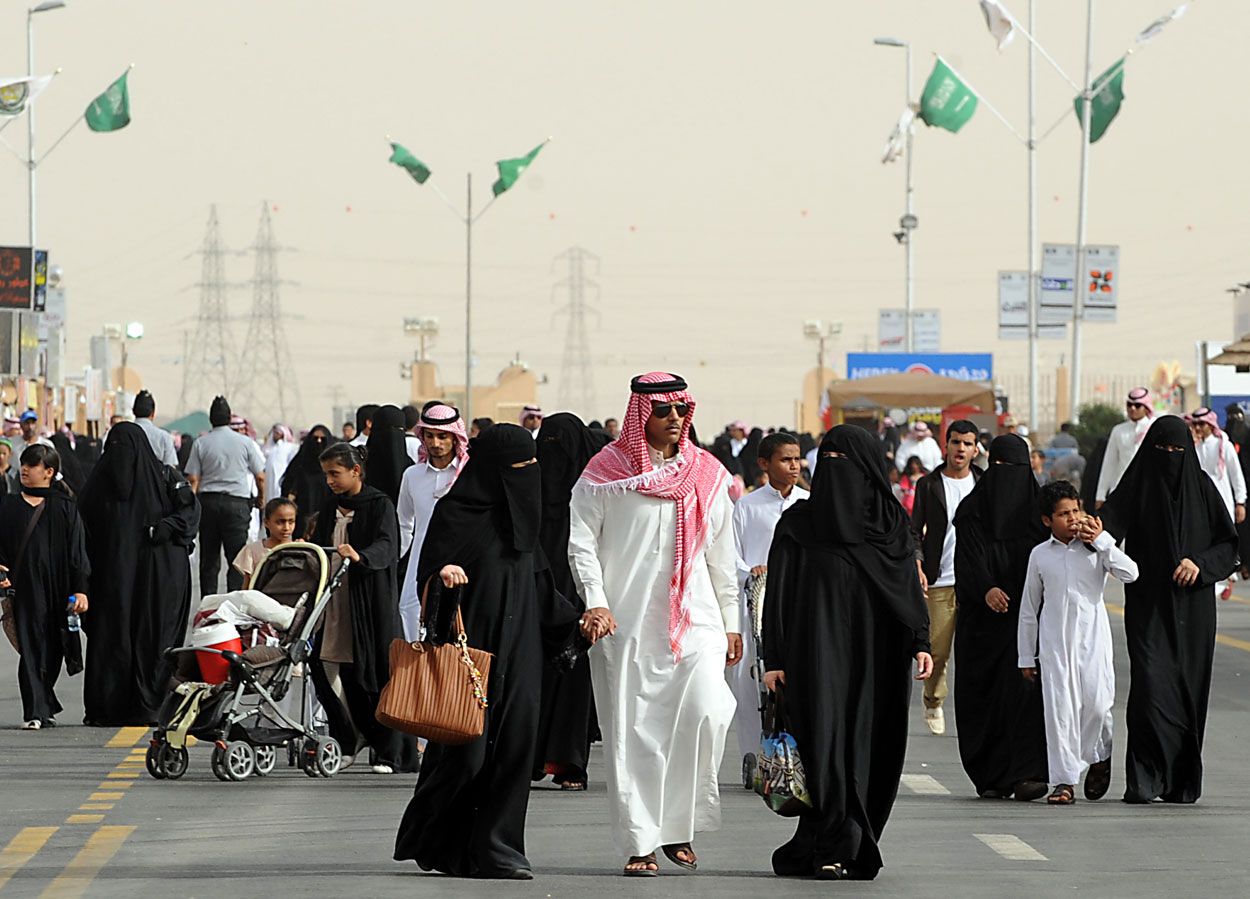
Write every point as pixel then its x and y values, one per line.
pixel 73 621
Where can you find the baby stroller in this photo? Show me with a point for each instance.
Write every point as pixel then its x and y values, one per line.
pixel 242 716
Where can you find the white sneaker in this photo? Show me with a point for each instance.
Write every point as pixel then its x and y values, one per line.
pixel 382 769
pixel 33 724
pixel 935 719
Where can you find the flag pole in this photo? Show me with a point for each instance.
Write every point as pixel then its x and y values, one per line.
pixel 909 331
pixel 1078 282
pixel 467 415
pixel 1028 36
pixel 56 143
pixel 981 98
pixel 1033 273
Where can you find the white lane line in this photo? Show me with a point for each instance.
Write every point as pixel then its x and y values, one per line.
pixel 1011 847
pixel 924 785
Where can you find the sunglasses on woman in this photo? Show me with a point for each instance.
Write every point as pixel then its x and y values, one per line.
pixel 662 410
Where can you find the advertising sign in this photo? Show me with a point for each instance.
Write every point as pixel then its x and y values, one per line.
pixel 964 366
pixel 1099 287
pixel 892 330
pixel 1013 310
pixel 16 265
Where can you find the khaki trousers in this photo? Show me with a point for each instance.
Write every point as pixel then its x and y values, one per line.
pixel 941 603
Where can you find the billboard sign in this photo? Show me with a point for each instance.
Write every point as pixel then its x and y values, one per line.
pixel 963 366
pixel 1013 310
pixel 1099 287
pixel 892 330
pixel 16 278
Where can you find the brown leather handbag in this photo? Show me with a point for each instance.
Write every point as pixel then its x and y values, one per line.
pixel 437 692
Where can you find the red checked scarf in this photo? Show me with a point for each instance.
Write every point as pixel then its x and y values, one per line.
pixel 693 481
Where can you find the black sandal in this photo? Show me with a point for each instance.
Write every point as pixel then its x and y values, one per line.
pixel 1064 794
pixel 671 850
pixel 1098 780
pixel 651 870
pixel 833 872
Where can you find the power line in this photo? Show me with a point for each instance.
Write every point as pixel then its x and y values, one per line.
pixel 270 392
pixel 207 365
pixel 577 373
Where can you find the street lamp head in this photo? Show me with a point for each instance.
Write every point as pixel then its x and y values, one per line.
pixel 134 331
pixel 47 5
pixel 889 42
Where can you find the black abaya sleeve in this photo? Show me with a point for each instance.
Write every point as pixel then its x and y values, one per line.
pixel 781 575
pixel 972 564
pixel 78 565
pixel 1219 560
pixel 182 524
pixel 383 551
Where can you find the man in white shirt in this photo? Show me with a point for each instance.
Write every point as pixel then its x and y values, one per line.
pixel 443 451
pixel 161 440
pixel 1123 442
pixel 29 423
pixel 919 442
pixel 938 495
pixel 412 417
pixel 1219 460
pixel 364 423
pixel 755 518
pixel 651 549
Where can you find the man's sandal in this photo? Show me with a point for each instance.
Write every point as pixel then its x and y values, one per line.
pixel 690 862
pixel 1098 780
pixel 649 867
pixel 1064 794
pixel 833 872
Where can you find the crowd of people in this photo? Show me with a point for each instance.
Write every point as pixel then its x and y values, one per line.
pixel 606 567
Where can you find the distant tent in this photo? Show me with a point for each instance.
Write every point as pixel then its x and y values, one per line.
pixel 194 423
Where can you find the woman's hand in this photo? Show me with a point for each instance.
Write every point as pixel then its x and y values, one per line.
pixel 997 600
pixel 453 576
pixel 734 655
pixel 924 665
pixel 345 550
pixel 79 604
pixel 4 584
pixel 1186 573
pixel 597 623
pixel 772 678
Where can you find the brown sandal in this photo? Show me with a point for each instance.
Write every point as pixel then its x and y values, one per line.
pixel 650 867
pixel 1098 780
pixel 689 863
pixel 1064 794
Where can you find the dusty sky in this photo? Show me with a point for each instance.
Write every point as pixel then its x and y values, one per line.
pixel 721 158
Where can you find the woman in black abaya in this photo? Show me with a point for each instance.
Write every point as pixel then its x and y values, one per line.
pixel 139 536
pixel 481 554
pixel 843 617
pixel 567 724
pixel 52 568
pixel 1177 529
pixel 304 481
pixel 351 658
pixel 1002 732
pixel 387 451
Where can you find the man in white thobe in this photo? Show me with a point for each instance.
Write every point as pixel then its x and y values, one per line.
pixel 1123 442
pixel 1219 460
pixel 755 518
pixel 1070 639
pixel 919 442
pixel 444 447
pixel 651 549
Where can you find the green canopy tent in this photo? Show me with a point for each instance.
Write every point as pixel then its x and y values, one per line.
pixel 194 423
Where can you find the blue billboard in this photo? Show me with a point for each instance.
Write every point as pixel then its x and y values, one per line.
pixel 963 366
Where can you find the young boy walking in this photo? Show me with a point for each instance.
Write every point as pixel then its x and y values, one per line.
pixel 1070 641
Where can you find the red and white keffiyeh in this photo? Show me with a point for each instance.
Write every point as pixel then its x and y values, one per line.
pixel 446 419
pixel 693 480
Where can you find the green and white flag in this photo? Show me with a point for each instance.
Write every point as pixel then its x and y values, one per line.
pixel 1108 92
pixel 111 110
pixel 18 93
pixel 1157 25
pixel 409 163
pixel 947 101
pixel 510 169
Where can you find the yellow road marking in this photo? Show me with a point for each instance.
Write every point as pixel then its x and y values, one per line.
pixel 94 806
pixel 131 765
pixel 84 819
pixel 115 785
pixel 99 796
pixel 22 849
pixel 126 737
pixel 120 775
pixel 1219 638
pixel 78 874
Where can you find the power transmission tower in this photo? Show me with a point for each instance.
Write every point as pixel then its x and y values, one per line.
pixel 268 389
pixel 207 366
pixel 577 376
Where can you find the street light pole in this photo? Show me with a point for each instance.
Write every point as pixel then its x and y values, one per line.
pixel 30 109
pixel 908 222
pixel 1079 279
pixel 1033 265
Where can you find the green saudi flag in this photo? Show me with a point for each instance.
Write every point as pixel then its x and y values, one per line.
pixel 947 101
pixel 409 163
pixel 510 169
pixel 111 110
pixel 1105 106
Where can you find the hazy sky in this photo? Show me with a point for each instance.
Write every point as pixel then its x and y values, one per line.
pixel 721 158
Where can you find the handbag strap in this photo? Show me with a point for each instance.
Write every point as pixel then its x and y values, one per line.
pixel 30 529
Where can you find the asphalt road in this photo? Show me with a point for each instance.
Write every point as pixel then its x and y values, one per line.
pixel 80 816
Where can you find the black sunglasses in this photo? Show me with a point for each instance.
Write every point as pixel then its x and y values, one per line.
pixel 662 410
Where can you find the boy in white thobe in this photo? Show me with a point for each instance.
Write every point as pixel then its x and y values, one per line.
pixel 1070 641
pixel 651 548
pixel 754 520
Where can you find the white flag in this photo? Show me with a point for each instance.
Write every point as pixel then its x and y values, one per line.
pixel 17 93
pixel 897 141
pixel 1157 25
pixel 998 21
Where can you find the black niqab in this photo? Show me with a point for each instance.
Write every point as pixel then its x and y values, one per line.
pixel 387 447
pixel 304 481
pixel 1007 487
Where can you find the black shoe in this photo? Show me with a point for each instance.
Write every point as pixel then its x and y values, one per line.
pixel 1028 790
pixel 521 874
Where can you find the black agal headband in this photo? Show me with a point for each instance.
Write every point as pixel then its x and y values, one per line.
pixel 676 385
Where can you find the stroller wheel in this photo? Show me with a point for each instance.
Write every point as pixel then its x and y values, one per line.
pixel 235 762
pixel 329 757
pixel 266 760
pixel 153 760
pixel 173 761
pixel 218 763
pixel 748 771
